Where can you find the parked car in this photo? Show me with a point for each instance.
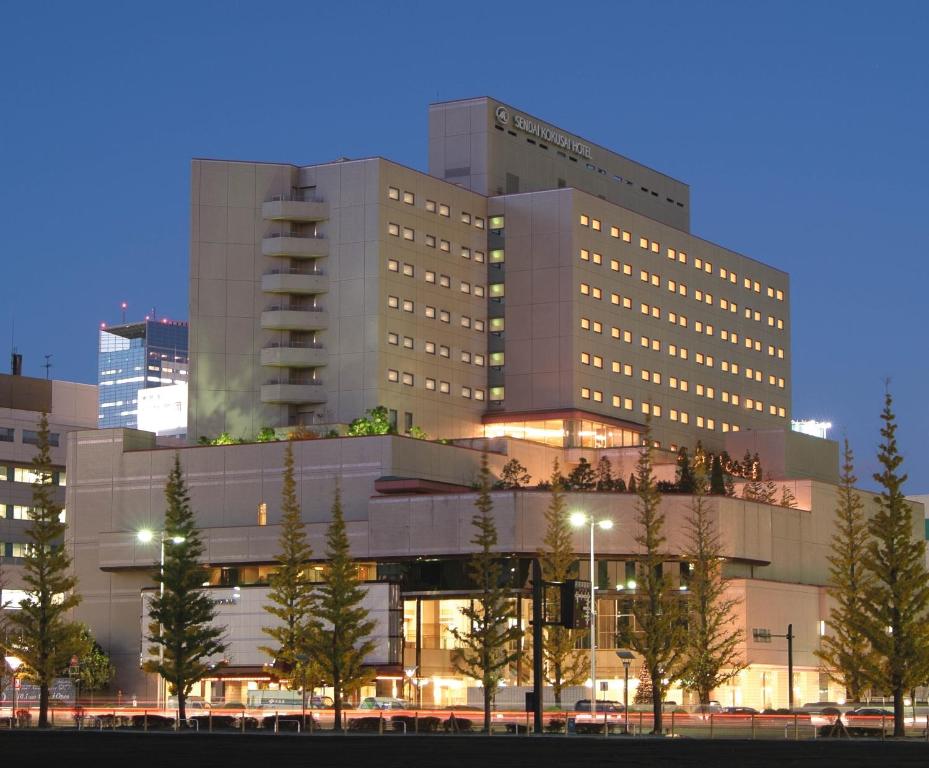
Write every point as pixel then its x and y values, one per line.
pixel 739 711
pixel 383 702
pixel 602 705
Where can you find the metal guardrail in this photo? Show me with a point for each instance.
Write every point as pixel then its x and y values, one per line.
pixel 294 199
pixel 795 726
pixel 296 271
pixel 298 235
pixel 294 309
pixel 294 345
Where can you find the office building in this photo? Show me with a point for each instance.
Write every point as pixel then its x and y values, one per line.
pixel 136 356
pixel 535 296
pixel 23 399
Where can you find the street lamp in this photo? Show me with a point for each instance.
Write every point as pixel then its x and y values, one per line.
pixel 147 536
pixel 410 674
pixel 626 658
pixel 14 663
pixel 579 519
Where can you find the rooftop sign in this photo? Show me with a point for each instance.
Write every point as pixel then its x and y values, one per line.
pixel 542 131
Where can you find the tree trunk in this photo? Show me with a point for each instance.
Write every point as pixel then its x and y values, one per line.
pixel 487 693
pixel 657 696
pixel 43 705
pixel 336 702
pixel 181 705
pixel 899 725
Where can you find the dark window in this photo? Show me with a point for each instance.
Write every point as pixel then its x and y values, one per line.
pixel 512 183
pixel 6 434
pixel 392 418
pixel 407 421
pixel 31 437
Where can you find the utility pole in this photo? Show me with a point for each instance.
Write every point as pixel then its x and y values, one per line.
pixel 538 682
pixel 48 366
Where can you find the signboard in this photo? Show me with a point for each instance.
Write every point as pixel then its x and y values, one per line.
pixel 542 131
pixel 575 604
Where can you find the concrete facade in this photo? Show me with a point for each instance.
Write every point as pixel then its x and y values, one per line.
pixel 23 399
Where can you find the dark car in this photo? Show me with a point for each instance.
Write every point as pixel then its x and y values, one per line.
pixel 602 705
pixel 739 711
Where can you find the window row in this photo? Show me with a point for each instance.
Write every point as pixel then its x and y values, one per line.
pixel 430 241
pixel 431 348
pixel 394 193
pixel 19 512
pixel 28 475
pixel 444 281
pixel 433 385
pixel 443 315
pixel 681 257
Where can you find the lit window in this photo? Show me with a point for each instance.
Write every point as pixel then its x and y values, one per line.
pixel 656 248
pixel 443 209
pixel 393 193
pixel 497 256
pixel 465 253
pixel 627 237
pixel 585 324
pixel 393 338
pixel 479 223
pixel 595 225
pixel 408 270
pixel 497 222
pixel 393 375
pixel 479 360
pixel 779 294
pixel 585 393
pixel 585 220
pixel 408 234
pixel 466 392
pixel 445 281
pixel 597 258
pixel 465 217
pixel 430 347
pixel 444 387
pixel 598 396
pixel 598 327
pixel 444 351
pixel 408 305
pixel 478 290
pixel 465 287
pixel 479 393
pixel 407 379
pixel 430 206
pixel 430 384
pixel 393 302
pixel 409 198
pixel 672 414
pixel 430 312
pixel 685 417
pixel 479 256
pixel 496 290
pixel 497 394
pixel 444 316
pixel 627 269
pixel 643 243
pixel 585 289
pixel 393 265
pixel 444 245
pixel 598 361
pixel 430 241
pixel 393 229
pixel 614 232
pixel 465 321
pixel 479 325
pixel 430 276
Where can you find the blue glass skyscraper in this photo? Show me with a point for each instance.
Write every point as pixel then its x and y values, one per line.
pixel 134 356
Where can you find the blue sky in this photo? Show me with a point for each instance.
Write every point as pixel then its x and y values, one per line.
pixel 800 126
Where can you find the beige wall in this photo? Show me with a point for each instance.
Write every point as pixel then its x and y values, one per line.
pixel 471 146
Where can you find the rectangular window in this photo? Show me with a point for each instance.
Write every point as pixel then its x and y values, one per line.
pixel 430 206
pixel 408 233
pixel 444 387
pixel 430 312
pixel 393 302
pixel 430 276
pixel 393 193
pixel 430 241
pixel 6 434
pixel 393 265
pixel 466 392
pixel 443 209
pixel 445 316
pixel 497 222
pixel 393 375
pixel 478 222
pixel 407 342
pixel 393 229
pixel 393 338
pixel 430 384
pixel 408 270
pixel 408 305
pixel 465 253
pixel 444 351
pixel 407 379
pixel 445 281
pixel 444 245
pixel 409 198
pixel 465 217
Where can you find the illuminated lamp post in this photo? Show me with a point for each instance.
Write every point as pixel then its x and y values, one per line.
pixel 579 519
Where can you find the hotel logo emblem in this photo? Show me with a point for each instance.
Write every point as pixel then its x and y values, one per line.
pixel 503 116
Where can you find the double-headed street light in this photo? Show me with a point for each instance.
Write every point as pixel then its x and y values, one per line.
pixel 147 536
pixel 578 520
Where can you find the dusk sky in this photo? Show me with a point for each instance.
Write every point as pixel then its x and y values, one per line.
pixel 801 128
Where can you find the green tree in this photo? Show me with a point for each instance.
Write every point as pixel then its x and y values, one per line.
pixel 291 597
pixel 266 435
pixel 418 433
pixel 376 421
pixel 893 611
pixel 769 491
pixel 656 605
pixel 564 666
pixel 604 475
pixel 45 637
pixel 484 653
pixel 685 473
pixel 95 670
pixel 845 649
pixel 343 640
pixel 787 497
pixel 712 639
pixel 582 477
pixel 717 479
pixel 514 475
pixel 182 615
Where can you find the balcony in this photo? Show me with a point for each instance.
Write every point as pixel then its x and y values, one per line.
pixel 294 356
pixel 293 394
pixel 282 208
pixel 287 319
pixel 295 246
pixel 294 281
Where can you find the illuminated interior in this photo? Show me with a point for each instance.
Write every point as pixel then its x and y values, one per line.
pixel 566 433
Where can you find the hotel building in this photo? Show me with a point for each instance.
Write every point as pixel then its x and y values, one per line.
pixel 534 295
